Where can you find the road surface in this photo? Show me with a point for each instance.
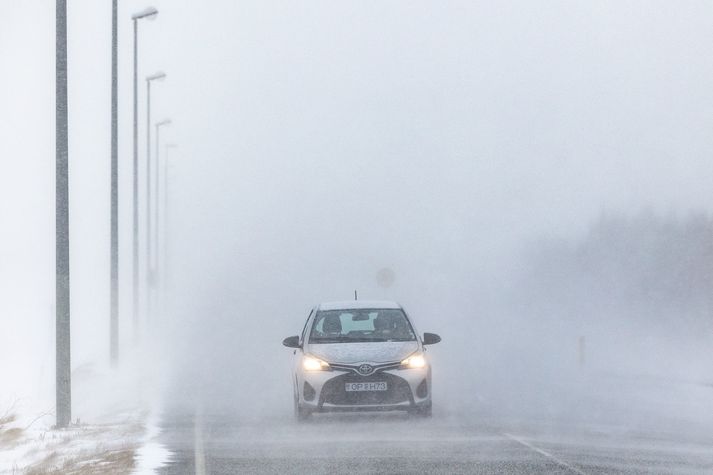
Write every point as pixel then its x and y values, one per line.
pixel 218 443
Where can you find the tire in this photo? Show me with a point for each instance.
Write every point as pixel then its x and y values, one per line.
pixel 424 411
pixel 301 413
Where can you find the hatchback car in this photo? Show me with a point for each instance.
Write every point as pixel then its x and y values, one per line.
pixel 360 356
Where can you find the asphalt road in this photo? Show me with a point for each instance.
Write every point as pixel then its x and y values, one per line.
pixel 393 443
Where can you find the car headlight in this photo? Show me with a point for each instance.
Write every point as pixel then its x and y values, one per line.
pixel 416 360
pixel 310 363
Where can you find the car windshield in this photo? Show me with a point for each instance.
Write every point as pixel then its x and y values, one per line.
pixel 362 325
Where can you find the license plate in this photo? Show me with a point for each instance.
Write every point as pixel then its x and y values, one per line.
pixel 379 386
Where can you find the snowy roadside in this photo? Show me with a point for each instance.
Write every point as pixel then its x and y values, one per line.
pixel 114 429
pixel 82 448
pixel 125 444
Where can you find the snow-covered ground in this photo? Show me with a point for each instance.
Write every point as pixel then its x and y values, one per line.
pixel 113 430
pixel 102 447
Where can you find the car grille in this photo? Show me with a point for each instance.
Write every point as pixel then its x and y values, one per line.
pixel 334 392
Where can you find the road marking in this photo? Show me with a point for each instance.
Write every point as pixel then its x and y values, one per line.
pixel 199 451
pixel 543 452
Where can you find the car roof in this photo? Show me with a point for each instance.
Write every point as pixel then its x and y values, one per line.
pixel 358 304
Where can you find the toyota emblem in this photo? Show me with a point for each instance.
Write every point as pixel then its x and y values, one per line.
pixel 365 369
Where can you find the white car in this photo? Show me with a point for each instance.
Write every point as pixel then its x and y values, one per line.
pixel 360 356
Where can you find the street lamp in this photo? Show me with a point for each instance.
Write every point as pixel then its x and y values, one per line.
pixel 158 126
pixel 148 13
pixel 164 246
pixel 152 271
pixel 114 207
pixel 159 76
pixel 63 368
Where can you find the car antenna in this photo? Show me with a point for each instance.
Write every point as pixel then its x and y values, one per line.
pixel 355 294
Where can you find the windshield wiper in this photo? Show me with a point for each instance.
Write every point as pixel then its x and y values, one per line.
pixel 331 339
pixel 346 339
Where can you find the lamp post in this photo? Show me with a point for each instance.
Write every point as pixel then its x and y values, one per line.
pixel 149 13
pixel 164 254
pixel 63 372
pixel 158 125
pixel 114 219
pixel 152 268
pixel 159 76
pixel 164 245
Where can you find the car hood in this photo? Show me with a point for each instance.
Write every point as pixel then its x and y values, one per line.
pixel 370 352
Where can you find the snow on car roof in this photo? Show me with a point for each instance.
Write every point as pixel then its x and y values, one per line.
pixel 355 304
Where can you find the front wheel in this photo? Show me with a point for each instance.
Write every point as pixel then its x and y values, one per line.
pixel 422 411
pixel 301 413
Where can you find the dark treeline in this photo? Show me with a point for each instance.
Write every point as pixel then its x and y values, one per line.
pixel 644 268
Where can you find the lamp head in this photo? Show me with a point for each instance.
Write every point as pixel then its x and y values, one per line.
pixel 159 76
pixel 149 13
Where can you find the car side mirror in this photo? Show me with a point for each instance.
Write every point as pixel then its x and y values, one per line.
pixel 291 342
pixel 430 338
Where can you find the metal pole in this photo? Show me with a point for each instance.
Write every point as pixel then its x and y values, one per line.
pixel 166 221
pixel 136 194
pixel 156 233
pixel 151 228
pixel 114 273
pixel 63 348
pixel 164 243
pixel 154 243
pixel 156 202
pixel 149 13
pixel 148 196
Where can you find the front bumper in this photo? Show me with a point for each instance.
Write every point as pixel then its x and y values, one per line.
pixel 324 391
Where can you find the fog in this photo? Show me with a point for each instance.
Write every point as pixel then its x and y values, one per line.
pixel 438 142
pixel 533 173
